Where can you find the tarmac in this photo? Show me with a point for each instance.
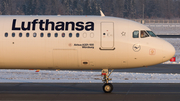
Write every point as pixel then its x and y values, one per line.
pixel 89 92
pixel 160 68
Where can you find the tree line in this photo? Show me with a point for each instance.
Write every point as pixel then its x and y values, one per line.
pixel 132 9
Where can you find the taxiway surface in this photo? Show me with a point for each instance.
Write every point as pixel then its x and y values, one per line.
pixel 90 92
pixel 160 68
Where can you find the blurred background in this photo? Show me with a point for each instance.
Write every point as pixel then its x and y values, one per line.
pixel 132 9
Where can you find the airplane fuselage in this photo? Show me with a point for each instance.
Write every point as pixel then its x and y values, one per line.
pixel 77 42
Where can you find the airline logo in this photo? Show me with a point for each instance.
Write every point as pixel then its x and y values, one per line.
pixel 58 26
pixel 136 47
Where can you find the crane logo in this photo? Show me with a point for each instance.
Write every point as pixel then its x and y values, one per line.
pixel 136 47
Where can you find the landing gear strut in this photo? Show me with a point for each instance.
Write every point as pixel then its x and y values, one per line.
pixel 108 87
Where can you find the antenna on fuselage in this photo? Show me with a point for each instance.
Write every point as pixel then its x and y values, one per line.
pixel 102 14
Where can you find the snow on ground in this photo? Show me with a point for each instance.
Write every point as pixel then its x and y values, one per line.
pixel 47 76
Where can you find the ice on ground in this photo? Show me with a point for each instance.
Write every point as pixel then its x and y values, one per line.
pixel 44 76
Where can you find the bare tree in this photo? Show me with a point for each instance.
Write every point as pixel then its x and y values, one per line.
pixel 119 8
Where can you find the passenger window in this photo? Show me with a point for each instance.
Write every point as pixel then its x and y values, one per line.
pixel 63 34
pixel 13 34
pixel 92 35
pixel 42 34
pixel 144 34
pixel 49 34
pixel 20 34
pixel 70 35
pixel 84 35
pixel 56 35
pixel 6 34
pixel 34 34
pixel 136 34
pixel 77 35
pixel 27 34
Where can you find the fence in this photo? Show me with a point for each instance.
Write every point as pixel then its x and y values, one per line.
pixel 156 21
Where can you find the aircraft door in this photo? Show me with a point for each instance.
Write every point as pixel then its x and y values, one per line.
pixel 107 36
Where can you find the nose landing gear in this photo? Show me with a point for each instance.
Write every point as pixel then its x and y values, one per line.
pixel 108 87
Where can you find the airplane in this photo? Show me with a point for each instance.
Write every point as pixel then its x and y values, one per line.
pixel 79 43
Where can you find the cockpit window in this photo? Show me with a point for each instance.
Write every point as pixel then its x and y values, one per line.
pixel 136 34
pixel 144 34
pixel 151 33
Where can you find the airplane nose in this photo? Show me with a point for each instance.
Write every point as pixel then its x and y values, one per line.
pixel 168 51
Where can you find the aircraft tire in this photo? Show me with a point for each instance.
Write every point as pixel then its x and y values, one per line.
pixel 108 88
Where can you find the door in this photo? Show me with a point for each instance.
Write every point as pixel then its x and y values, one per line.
pixel 107 36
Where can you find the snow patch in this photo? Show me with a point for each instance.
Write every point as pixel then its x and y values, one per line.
pixel 46 76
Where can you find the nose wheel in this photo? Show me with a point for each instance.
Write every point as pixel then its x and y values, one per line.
pixel 108 87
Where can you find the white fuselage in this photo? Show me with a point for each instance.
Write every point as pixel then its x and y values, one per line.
pixel 96 43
